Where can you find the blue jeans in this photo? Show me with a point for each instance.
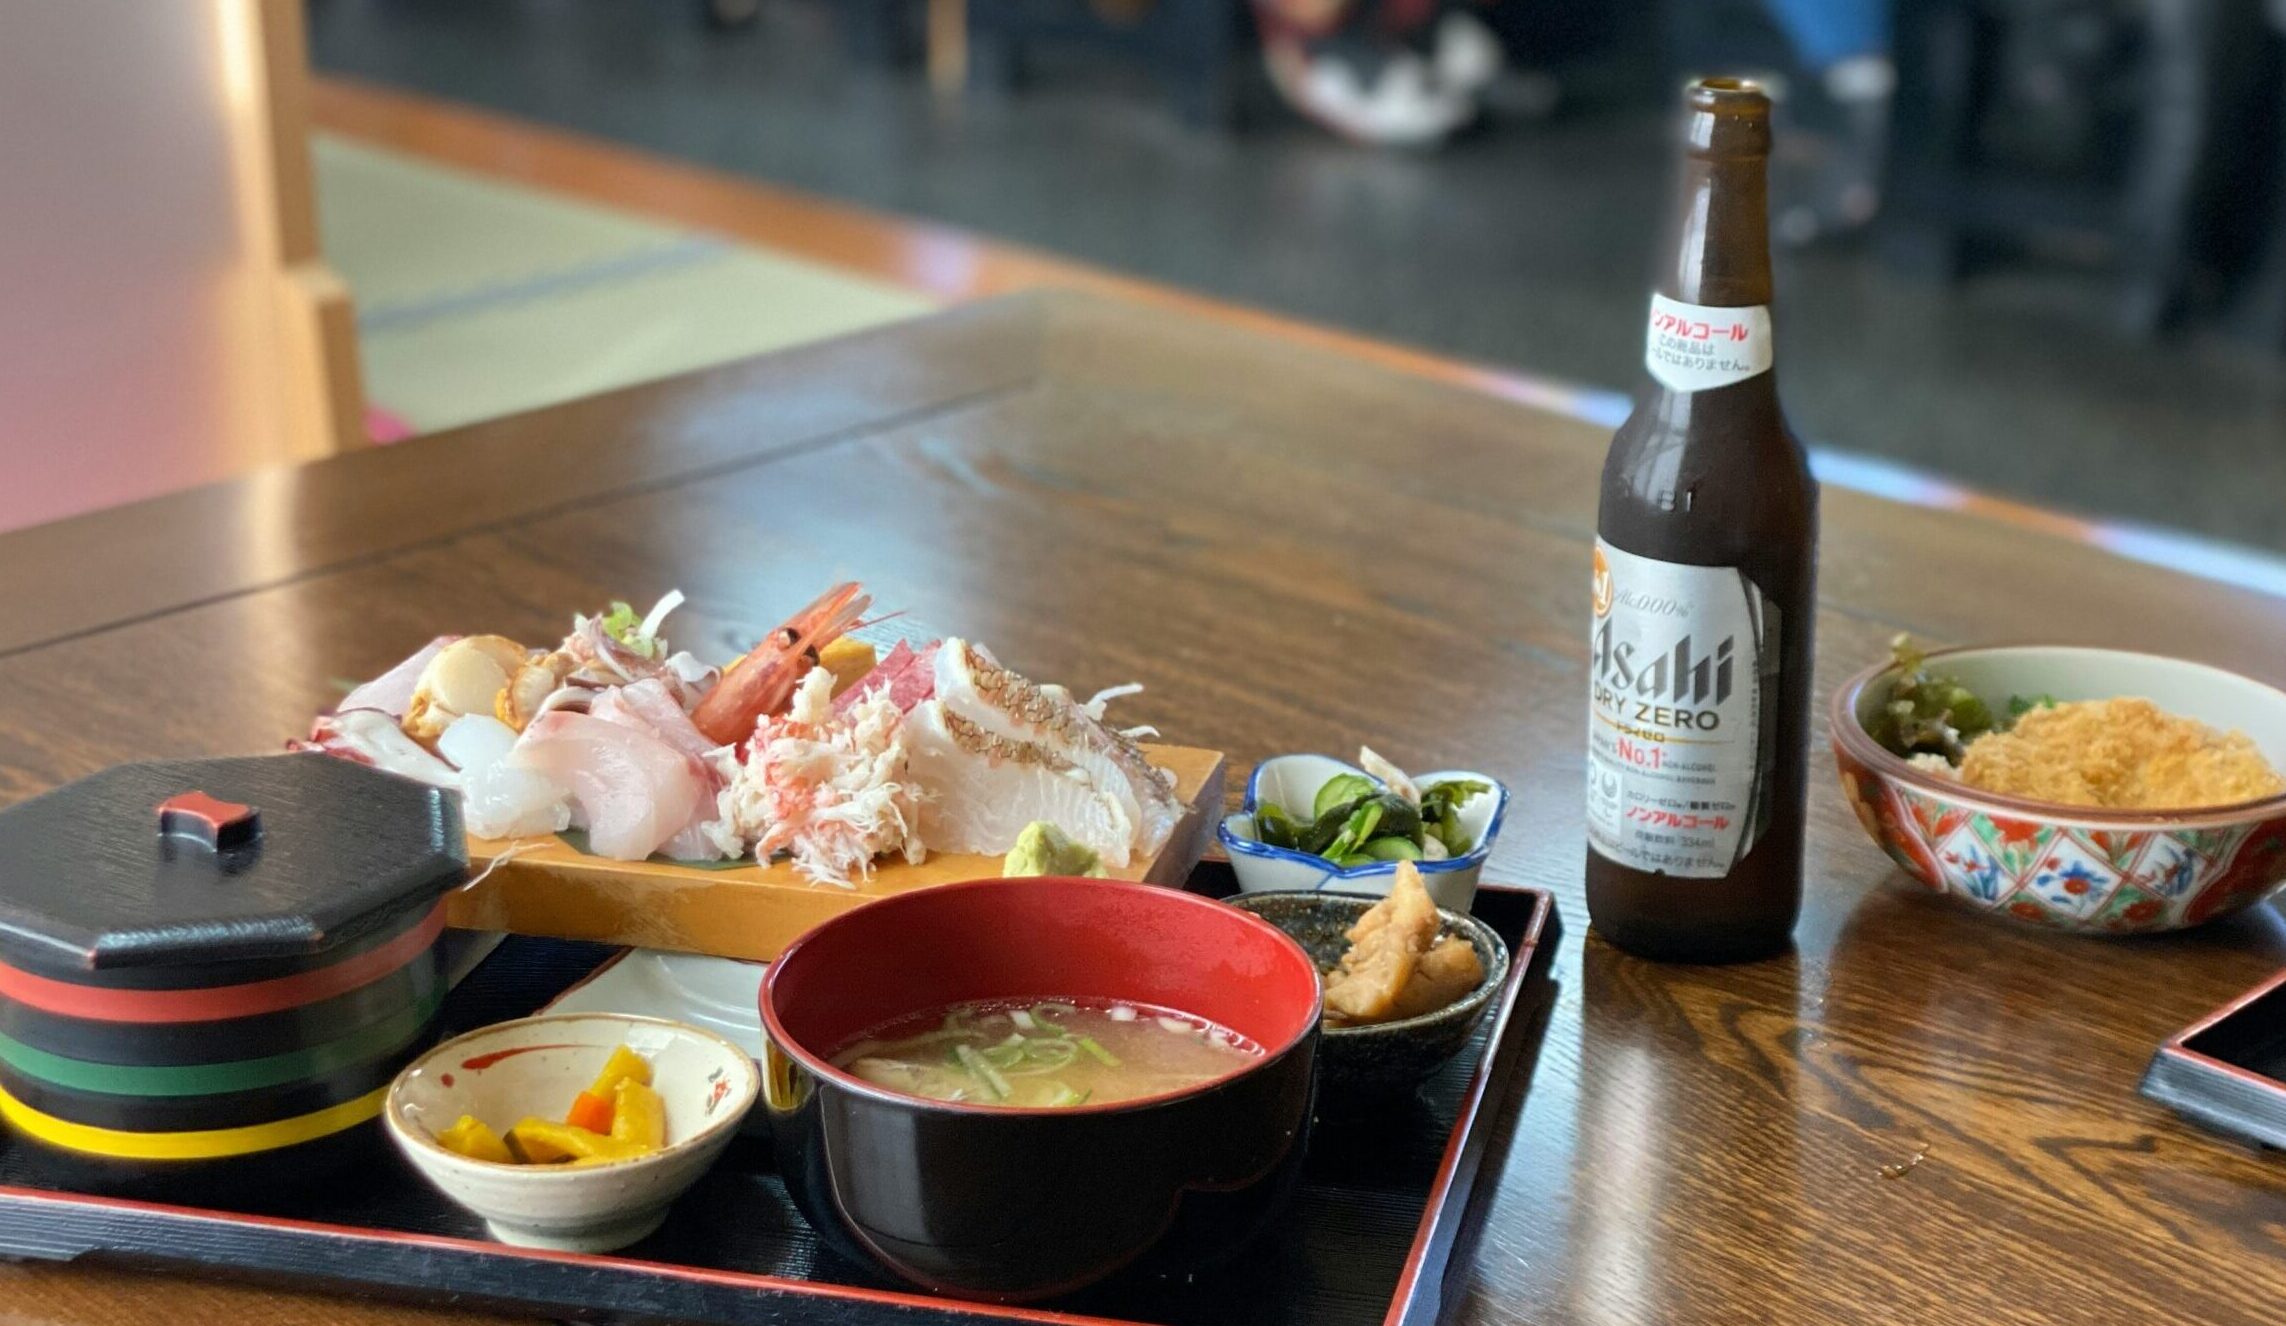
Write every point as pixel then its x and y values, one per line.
pixel 1826 32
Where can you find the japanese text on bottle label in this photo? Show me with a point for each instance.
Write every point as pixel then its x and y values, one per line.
pixel 1682 683
pixel 1690 347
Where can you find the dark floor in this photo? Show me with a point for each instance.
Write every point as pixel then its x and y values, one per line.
pixel 1526 245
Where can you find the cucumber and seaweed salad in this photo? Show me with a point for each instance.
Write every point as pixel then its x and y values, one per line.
pixel 1351 822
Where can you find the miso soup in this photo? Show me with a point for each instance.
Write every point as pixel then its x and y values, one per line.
pixel 1046 1055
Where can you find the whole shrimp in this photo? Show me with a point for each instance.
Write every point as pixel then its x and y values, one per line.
pixel 763 681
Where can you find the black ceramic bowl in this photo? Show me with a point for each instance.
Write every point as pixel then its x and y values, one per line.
pixel 1370 1062
pixel 990 1202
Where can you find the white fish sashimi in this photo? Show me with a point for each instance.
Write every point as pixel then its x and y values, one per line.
pixel 980 789
pixel 633 791
pixel 1003 704
pixel 653 706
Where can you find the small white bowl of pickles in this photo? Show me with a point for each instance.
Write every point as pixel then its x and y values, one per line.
pixel 1317 823
pixel 571 1131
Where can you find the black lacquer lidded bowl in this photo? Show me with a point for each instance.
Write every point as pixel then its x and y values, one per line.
pixel 210 970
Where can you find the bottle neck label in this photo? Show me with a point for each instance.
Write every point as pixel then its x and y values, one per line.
pixel 1692 347
pixel 1682 714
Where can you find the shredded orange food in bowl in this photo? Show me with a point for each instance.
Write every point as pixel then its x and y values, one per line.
pixel 2120 754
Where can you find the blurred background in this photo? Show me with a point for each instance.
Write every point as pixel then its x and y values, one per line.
pixel 2032 253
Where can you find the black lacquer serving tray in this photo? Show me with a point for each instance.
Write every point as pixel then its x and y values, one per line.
pixel 1385 1201
pixel 2228 1070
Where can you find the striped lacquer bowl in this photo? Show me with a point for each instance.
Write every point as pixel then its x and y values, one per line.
pixel 272 1070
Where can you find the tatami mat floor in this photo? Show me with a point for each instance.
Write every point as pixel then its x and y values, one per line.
pixel 477 299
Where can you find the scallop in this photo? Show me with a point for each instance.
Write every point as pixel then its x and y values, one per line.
pixel 529 687
pixel 500 649
pixel 466 677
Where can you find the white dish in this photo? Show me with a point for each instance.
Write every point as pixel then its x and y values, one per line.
pixel 722 995
pixel 1294 780
pixel 506 1071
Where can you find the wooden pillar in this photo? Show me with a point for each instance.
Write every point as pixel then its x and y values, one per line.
pixel 313 367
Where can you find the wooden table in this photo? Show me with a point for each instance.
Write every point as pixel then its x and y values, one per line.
pixel 1295 550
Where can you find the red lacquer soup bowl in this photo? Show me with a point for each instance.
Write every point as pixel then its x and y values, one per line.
pixel 986 1201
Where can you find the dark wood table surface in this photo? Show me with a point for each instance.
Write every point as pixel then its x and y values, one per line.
pixel 1295 550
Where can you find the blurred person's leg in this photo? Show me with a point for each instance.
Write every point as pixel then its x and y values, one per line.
pixel 1845 44
pixel 1405 72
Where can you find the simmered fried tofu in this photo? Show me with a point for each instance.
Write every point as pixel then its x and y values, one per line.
pixel 1444 974
pixel 1385 946
pixel 1396 967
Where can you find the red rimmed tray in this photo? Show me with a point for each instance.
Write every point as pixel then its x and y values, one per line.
pixel 1384 1204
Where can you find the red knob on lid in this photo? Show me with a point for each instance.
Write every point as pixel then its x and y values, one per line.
pixel 209 820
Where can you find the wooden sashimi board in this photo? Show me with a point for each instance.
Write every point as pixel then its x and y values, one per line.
pixel 548 887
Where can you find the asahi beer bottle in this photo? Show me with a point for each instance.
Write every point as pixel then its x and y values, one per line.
pixel 1705 557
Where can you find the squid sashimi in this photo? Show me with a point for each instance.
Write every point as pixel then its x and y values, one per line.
pixel 980 789
pixel 498 800
pixel 999 702
pixel 633 791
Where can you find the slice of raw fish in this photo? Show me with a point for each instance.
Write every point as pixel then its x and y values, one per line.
pixel 906 673
pixel 496 800
pixel 370 736
pixel 708 837
pixel 391 693
pixel 633 791
pixel 1005 704
pixel 979 790
pixel 651 706
pixel 506 802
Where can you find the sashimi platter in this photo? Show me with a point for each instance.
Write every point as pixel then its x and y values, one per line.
pixel 617 788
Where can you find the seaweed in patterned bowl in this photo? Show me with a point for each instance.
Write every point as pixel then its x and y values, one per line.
pixel 2077 869
pixel 1297 780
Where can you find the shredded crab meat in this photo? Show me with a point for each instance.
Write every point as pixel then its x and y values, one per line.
pixel 828 789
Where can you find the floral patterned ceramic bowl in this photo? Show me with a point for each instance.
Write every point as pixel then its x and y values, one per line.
pixel 1294 780
pixel 2067 867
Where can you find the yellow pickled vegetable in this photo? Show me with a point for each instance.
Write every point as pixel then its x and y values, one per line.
pixel 545 1142
pixel 623 1065
pixel 471 1138
pixel 638 1115
pixel 848 660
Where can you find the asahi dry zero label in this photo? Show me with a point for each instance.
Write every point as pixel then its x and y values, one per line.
pixel 1682 676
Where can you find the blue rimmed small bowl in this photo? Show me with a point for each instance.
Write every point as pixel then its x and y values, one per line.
pixel 1294 780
